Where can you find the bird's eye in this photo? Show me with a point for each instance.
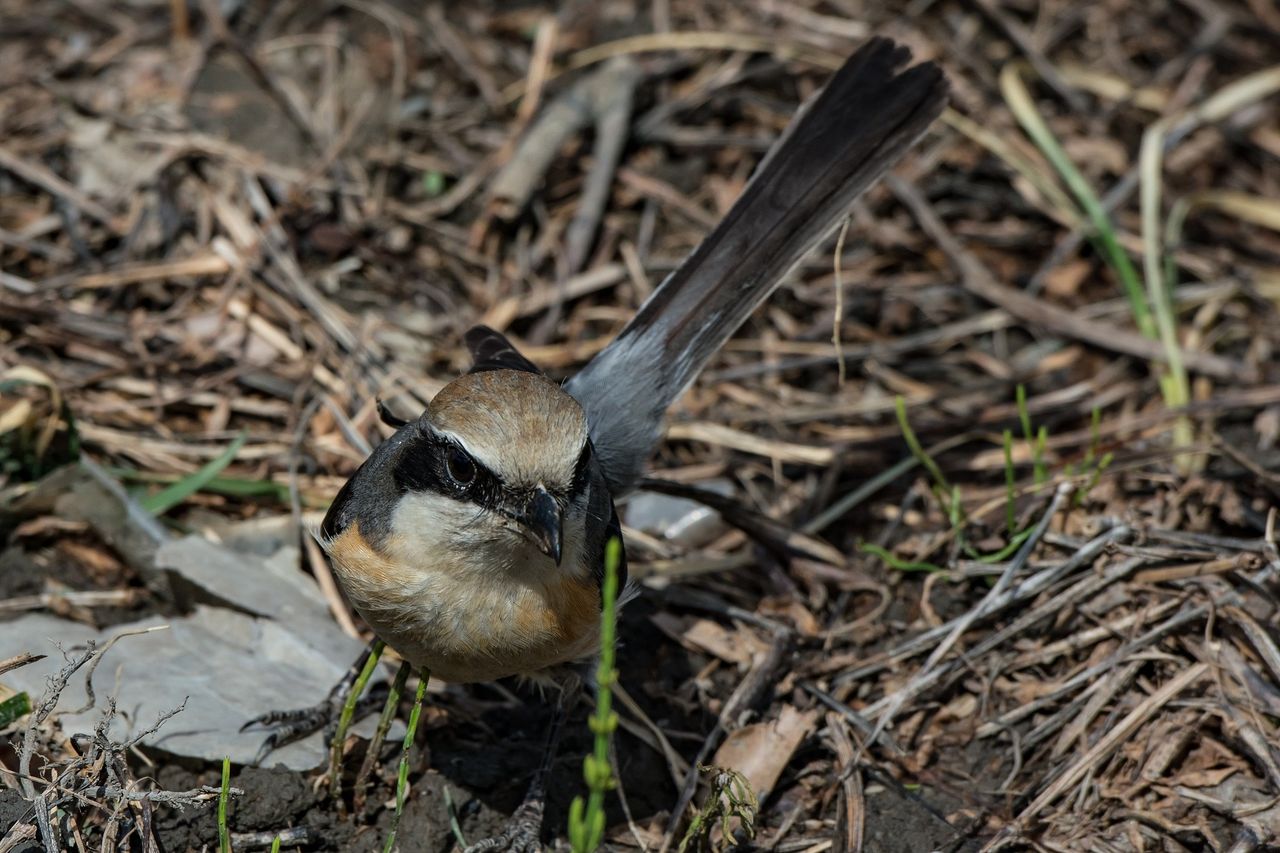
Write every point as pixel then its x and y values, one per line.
pixel 460 466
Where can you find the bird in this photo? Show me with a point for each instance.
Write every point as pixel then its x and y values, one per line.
pixel 472 540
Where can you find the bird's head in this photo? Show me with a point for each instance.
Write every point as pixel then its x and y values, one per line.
pixel 493 473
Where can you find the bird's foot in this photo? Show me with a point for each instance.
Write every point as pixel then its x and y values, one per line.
pixel 520 835
pixel 285 727
pixel 288 726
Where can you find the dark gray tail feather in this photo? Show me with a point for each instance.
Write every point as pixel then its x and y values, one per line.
pixel 868 116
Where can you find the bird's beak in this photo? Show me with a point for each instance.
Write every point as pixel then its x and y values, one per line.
pixel 542 523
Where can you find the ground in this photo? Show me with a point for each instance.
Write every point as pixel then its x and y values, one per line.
pixel 1017 426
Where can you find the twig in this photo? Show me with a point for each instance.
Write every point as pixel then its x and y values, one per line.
pixel 926 676
pixel 91 699
pixel 1019 35
pixel 48 701
pixel 142 519
pixel 44 178
pixel 19 660
pixel 978 279
pixel 1110 741
pixel 590 99
pixel 747 694
pixel 611 92
pixel 1029 588
pixel 853 814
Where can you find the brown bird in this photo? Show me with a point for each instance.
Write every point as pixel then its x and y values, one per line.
pixel 472 541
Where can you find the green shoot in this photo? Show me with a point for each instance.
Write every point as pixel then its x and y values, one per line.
pixel 1015 542
pixel 224 834
pixel 454 826
pixel 234 487
pixel 1095 437
pixel 1020 103
pixel 17 705
pixel 275 845
pixel 941 487
pixel 731 797
pixel 896 563
pixel 344 719
pixel 433 183
pixel 1024 414
pixel 1010 480
pixel 1103 464
pixel 1150 294
pixel 165 500
pixel 379 735
pixel 1174 384
pixel 1036 439
pixel 955 509
pixel 402 775
pixel 1042 442
pixel 586 818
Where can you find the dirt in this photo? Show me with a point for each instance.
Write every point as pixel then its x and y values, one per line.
pixel 482 749
pixel 477 755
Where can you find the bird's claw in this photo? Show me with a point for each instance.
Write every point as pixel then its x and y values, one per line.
pixel 285 727
pixel 520 835
pixel 513 839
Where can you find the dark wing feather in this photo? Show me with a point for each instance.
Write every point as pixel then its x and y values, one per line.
pixel 866 118
pixel 491 350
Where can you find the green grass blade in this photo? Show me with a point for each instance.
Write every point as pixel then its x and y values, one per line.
pixel 1020 103
pixel 1042 442
pixel 1010 483
pixel 1175 384
pixel 344 718
pixel 909 435
pixel 455 826
pixel 1024 414
pixel 586 817
pixel 235 487
pixel 17 705
pixel 1005 552
pixel 224 834
pixel 402 774
pixel 896 563
pixel 167 499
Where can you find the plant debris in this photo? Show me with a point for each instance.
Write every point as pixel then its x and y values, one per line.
pixel 998 468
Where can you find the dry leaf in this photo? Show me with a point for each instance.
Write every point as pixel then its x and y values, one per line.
pixel 739 646
pixel 794 611
pixel 1206 778
pixel 1065 280
pixel 761 751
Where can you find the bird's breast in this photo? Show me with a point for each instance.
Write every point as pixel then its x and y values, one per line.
pixel 462 621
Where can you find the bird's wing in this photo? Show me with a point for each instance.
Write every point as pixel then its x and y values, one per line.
pixel 491 350
pixel 866 117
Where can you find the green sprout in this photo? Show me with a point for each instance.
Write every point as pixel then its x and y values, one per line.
pixel 402 774
pixel 731 797
pixel 224 834
pixel 586 818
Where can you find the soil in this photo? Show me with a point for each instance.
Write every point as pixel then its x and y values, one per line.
pixel 257 218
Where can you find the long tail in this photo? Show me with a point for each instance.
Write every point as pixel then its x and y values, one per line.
pixel 866 118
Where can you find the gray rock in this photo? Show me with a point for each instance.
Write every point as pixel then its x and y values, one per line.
pixel 260 638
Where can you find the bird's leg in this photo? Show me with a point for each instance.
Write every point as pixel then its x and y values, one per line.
pixel 288 726
pixel 522 832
